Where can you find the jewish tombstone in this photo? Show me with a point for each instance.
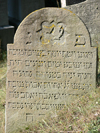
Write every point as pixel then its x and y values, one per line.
pixel 50 63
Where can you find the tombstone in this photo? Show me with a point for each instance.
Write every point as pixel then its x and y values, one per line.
pixel 19 9
pixel 6 31
pixel 50 64
pixel 89 13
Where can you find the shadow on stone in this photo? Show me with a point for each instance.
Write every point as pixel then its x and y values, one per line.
pixel 98 76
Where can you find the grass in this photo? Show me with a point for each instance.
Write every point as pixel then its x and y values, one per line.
pixel 3 70
pixel 81 116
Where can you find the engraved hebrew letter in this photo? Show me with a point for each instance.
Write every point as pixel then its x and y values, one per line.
pixel 80 40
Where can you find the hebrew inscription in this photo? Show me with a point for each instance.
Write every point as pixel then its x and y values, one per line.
pixel 49 65
pixel 80 40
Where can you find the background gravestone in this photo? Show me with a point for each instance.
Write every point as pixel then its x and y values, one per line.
pixel 6 31
pixel 50 63
pixel 3 13
pixel 89 12
pixel 19 9
pixel 6 35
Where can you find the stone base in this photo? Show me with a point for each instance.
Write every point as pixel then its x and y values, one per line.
pixel 6 36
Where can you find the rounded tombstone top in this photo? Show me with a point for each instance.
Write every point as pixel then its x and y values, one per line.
pixel 52 27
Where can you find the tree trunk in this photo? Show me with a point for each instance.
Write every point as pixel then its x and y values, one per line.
pixel 63 3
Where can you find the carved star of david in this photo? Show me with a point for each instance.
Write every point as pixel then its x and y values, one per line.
pixel 54 33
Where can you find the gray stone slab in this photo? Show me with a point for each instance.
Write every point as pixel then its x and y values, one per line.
pixel 19 9
pixel 89 12
pixel 6 35
pixel 3 13
pixel 50 64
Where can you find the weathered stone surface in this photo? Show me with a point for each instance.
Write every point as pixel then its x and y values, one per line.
pixel 50 63
pixel 3 13
pixel 89 12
